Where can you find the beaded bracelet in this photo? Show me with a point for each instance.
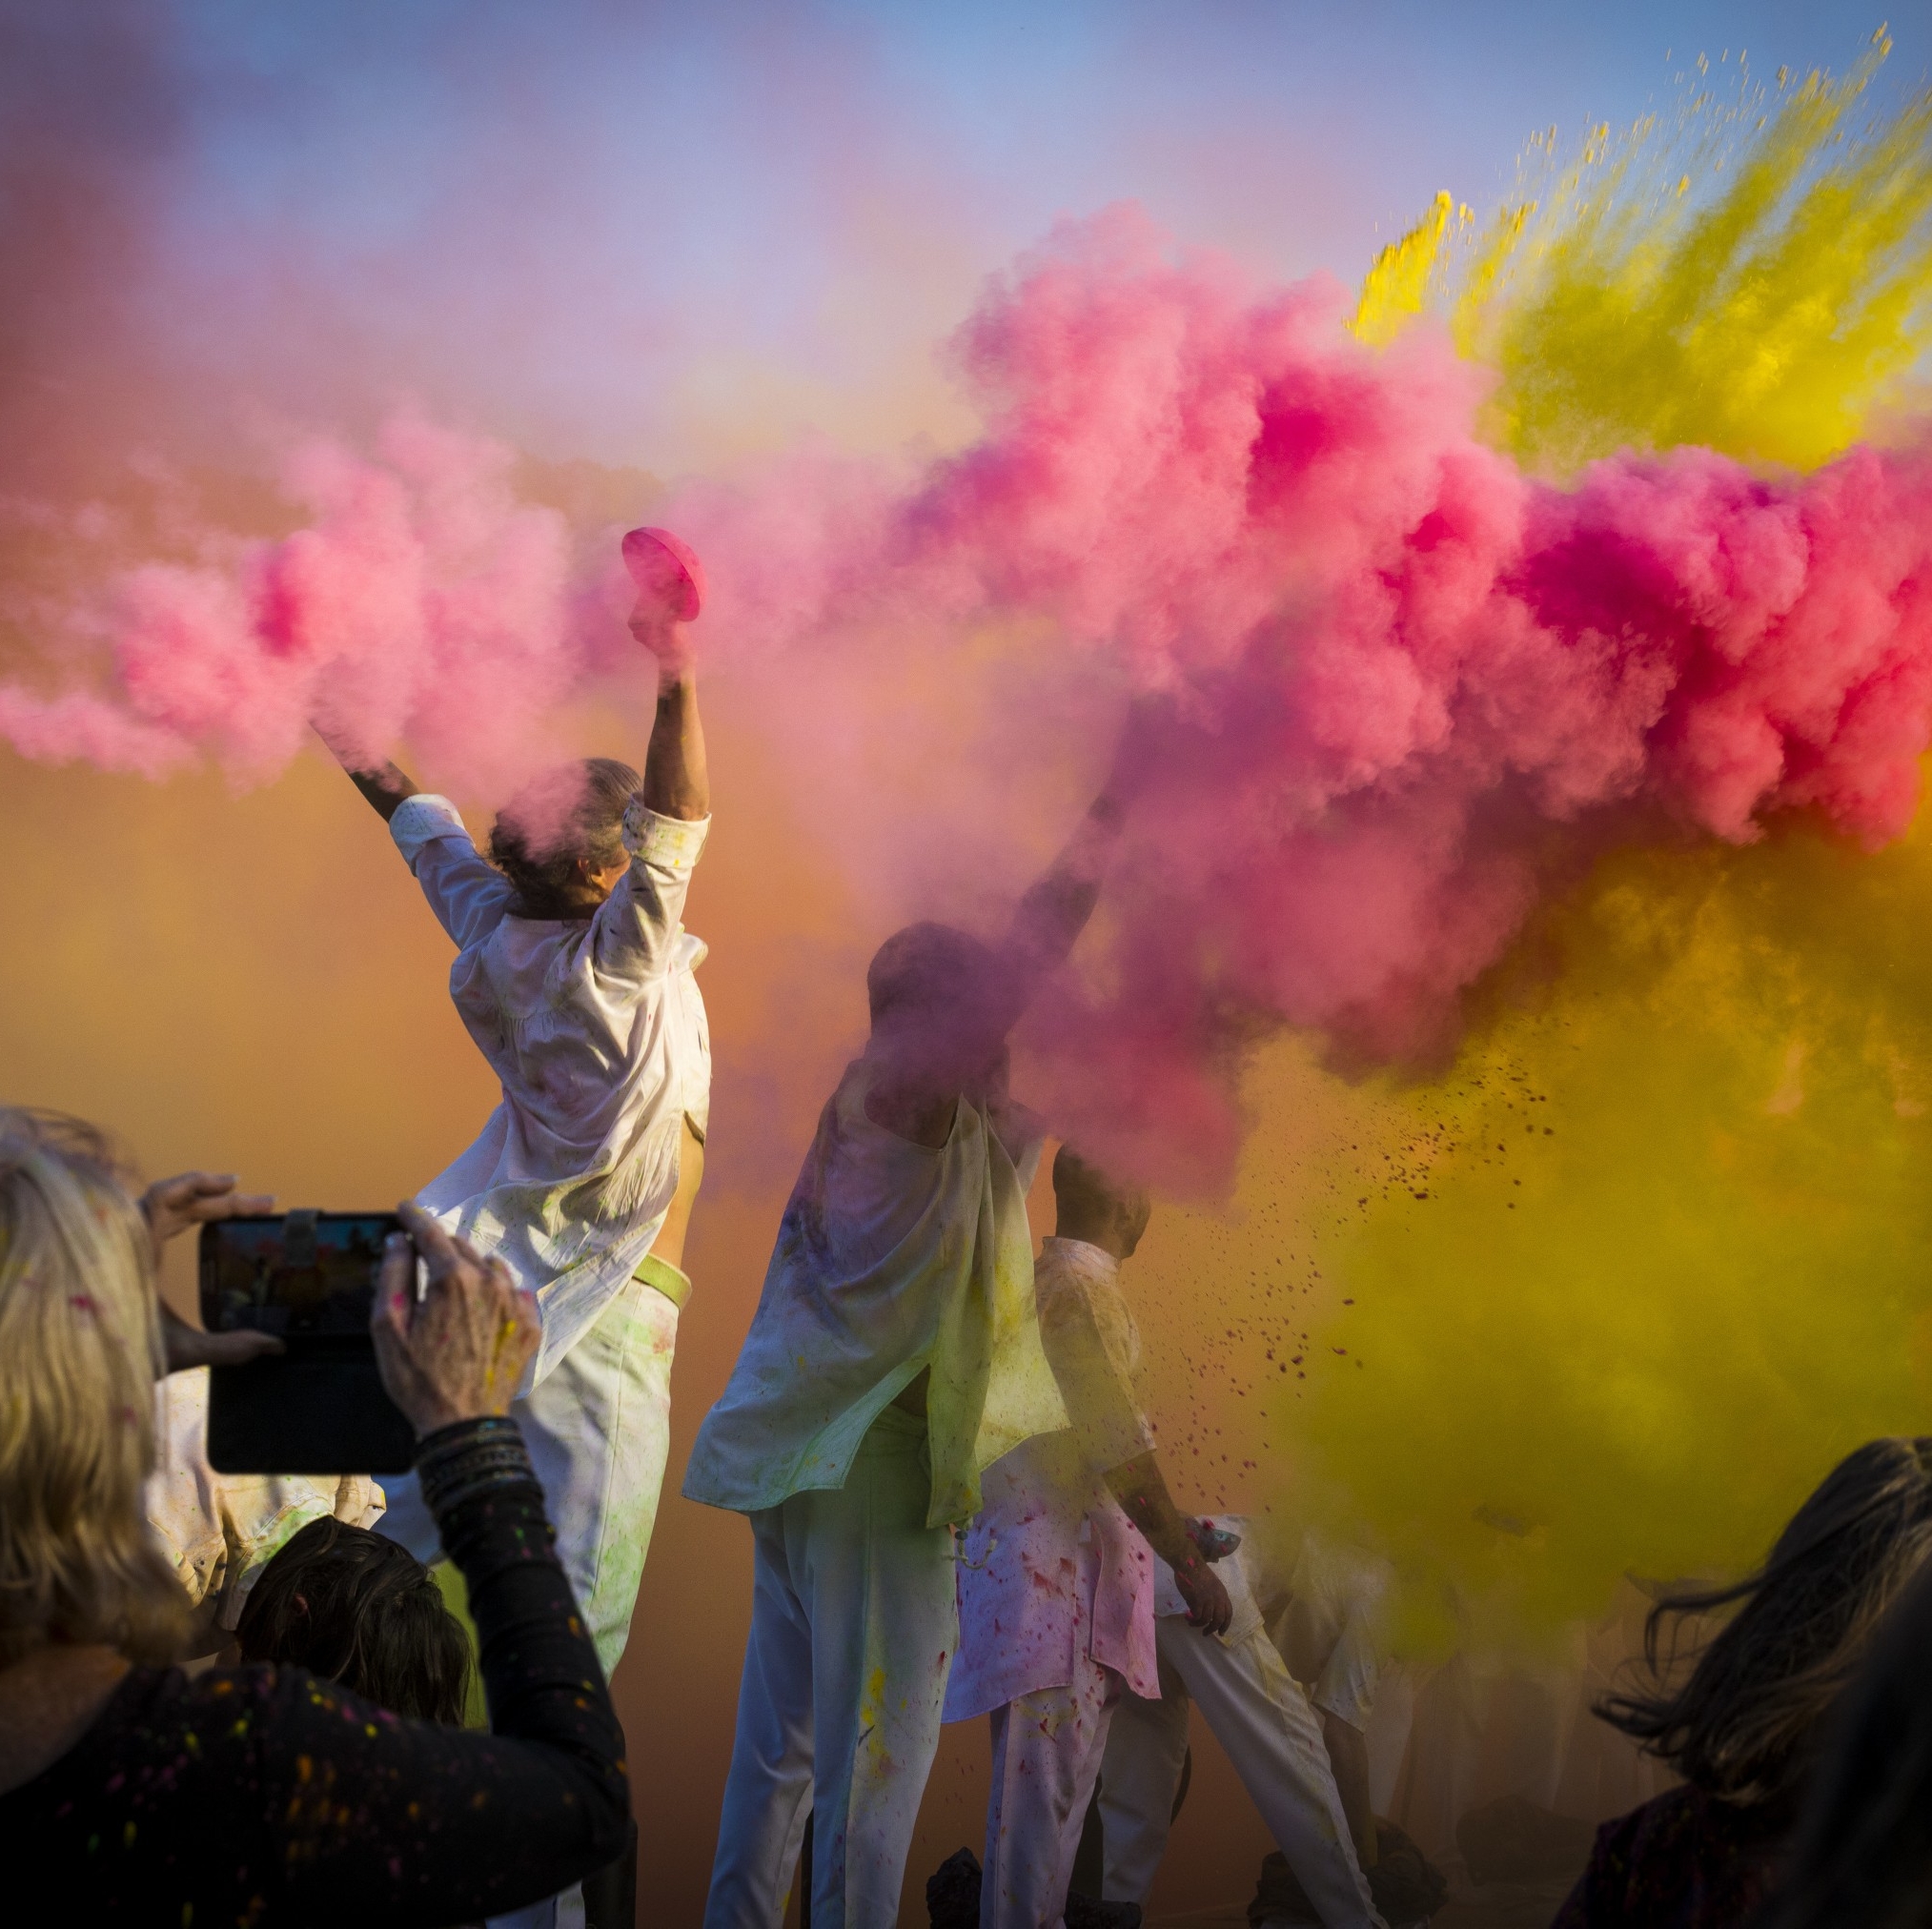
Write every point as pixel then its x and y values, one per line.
pixel 456 1463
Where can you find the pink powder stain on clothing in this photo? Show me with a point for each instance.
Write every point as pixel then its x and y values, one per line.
pixel 1402 677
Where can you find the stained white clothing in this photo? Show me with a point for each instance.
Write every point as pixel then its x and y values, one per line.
pixel 1262 1719
pixel 853 1628
pixel 599 1431
pixel 221 1530
pixel 1048 1747
pixel 1325 1616
pixel 892 1259
pixel 1053 1579
pixel 596 1030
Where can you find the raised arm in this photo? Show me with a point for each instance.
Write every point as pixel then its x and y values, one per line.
pixel 677 779
pixel 1054 912
pixel 670 585
pixel 383 785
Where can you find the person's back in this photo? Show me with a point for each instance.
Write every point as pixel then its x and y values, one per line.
pixel 591 1018
pixel 1743 1729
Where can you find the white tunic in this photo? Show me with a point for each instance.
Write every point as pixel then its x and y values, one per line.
pixel 597 1030
pixel 892 1258
pixel 1051 1568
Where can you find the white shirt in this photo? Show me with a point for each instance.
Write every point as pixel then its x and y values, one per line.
pixel 597 1030
pixel 1051 1568
pixel 892 1258
pixel 221 1530
pixel 1328 1624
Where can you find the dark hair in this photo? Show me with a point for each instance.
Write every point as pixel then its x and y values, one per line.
pixel 345 1603
pixel 1745 1725
pixel 929 968
pixel 571 812
pixel 1863 1856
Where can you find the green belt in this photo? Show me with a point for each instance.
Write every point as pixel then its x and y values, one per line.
pixel 661 1273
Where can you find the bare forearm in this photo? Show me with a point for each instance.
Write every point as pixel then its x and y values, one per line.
pixel 676 781
pixel 1142 1491
pixel 1348 1752
pixel 1052 915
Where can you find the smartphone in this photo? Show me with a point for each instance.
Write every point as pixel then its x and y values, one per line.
pixel 321 1407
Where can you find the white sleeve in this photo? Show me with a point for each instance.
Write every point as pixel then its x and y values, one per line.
pixel 468 896
pixel 1099 1400
pixel 635 933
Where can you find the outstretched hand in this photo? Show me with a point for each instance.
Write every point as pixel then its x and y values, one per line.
pixel 458 1352
pixel 170 1206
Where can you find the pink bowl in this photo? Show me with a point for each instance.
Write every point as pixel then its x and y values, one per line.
pixel 666 571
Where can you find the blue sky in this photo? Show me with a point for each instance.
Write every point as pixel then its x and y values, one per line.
pixel 677 237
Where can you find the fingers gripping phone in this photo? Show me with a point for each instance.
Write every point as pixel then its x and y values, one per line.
pixel 319 1408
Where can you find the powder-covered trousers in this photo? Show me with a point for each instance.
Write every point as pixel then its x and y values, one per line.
pixel 1046 1753
pixel 598 1427
pixel 1260 1714
pixel 854 1624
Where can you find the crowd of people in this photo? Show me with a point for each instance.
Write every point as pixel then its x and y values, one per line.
pixel 956 1503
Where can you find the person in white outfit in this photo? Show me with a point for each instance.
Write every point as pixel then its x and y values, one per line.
pixel 1263 1717
pixel 893 1357
pixel 1056 1575
pixel 575 976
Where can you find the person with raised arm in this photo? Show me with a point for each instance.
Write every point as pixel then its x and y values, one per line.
pixel 575 976
pixel 894 1355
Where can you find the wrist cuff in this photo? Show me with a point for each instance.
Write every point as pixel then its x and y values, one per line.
pixel 664 843
pixel 455 1464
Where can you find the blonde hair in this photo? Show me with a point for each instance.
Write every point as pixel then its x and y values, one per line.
pixel 81 1345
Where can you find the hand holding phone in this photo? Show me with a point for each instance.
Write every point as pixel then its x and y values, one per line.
pixel 457 1349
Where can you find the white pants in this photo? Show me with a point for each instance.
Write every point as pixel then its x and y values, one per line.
pixel 1260 1714
pixel 854 1623
pixel 1046 1753
pixel 598 1427
pixel 599 1430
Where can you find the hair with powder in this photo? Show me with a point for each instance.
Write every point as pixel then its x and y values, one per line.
pixel 79 1349
pixel 570 813
pixel 1746 1723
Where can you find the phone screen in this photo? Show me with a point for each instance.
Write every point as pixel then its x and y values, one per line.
pixel 319 1406
pixel 293 1273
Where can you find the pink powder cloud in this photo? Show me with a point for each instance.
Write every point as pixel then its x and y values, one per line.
pixel 1401 671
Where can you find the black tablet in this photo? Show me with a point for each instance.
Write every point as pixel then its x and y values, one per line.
pixel 318 1408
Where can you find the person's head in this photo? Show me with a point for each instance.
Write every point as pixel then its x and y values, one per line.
pixel 1862 1855
pixel 559 840
pixel 80 1345
pixel 938 1000
pixel 1093 1208
pixel 1745 1725
pixel 347 1604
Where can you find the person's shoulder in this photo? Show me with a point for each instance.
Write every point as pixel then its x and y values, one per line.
pixel 1684 1845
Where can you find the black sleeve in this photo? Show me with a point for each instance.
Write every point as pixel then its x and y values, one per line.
pixel 409 1820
